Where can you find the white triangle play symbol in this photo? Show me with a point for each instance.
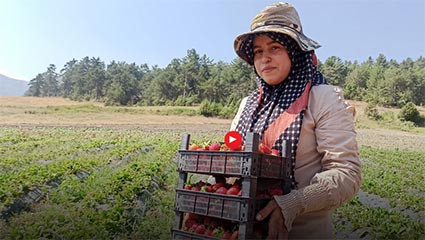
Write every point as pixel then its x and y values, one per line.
pixel 231 139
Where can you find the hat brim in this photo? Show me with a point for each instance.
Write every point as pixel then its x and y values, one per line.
pixel 305 43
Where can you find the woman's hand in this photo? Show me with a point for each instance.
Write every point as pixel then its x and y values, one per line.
pixel 277 228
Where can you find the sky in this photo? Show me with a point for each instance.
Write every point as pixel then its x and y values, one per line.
pixel 36 33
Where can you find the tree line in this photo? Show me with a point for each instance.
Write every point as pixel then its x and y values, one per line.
pixel 194 79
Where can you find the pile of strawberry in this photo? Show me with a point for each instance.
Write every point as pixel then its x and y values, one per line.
pixel 209 147
pixel 262 148
pixel 220 187
pixel 209 226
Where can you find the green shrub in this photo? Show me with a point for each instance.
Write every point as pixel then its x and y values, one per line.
pixel 210 109
pixel 228 111
pixel 388 117
pixel 371 112
pixel 409 113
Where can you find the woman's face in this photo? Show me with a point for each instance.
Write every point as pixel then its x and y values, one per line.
pixel 271 60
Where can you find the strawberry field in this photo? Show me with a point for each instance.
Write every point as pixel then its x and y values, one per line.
pixel 103 183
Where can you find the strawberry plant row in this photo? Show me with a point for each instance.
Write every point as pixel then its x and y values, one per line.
pixel 17 182
pixel 110 203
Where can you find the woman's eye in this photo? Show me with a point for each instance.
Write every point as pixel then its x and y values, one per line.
pixel 257 52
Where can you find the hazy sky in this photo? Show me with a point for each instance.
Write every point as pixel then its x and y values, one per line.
pixel 36 33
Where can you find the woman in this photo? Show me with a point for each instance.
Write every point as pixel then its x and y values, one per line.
pixel 294 102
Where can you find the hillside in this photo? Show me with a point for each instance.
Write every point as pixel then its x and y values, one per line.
pixel 12 87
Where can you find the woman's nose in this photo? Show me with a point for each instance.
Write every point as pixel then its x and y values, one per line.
pixel 266 57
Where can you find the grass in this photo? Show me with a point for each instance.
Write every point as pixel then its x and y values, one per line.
pixel 379 223
pixel 395 174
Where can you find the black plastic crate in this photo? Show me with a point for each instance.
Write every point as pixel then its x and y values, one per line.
pixel 231 207
pixel 235 163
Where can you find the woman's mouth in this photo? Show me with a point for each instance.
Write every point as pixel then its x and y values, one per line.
pixel 267 69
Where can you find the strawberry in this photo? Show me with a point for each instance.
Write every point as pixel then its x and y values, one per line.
pixel 235 235
pixel 194 147
pixel 209 232
pixel 226 235
pixel 209 189
pixel 196 189
pixel 233 191
pixel 200 229
pixel 192 216
pixel 187 187
pixel 275 152
pixel 217 186
pixel 263 148
pixel 193 228
pixel 214 147
pixel 275 191
pixel 189 223
pixel 222 190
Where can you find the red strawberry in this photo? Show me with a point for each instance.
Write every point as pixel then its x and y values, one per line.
pixel 200 229
pixel 194 147
pixel 209 189
pixel 275 191
pixel 226 235
pixel 189 223
pixel 209 232
pixel 214 147
pixel 193 228
pixel 192 216
pixel 218 185
pixel 196 189
pixel 275 152
pixel 263 148
pixel 188 187
pixel 222 190
pixel 235 235
pixel 233 191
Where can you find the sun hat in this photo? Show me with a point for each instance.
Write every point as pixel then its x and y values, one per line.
pixel 281 18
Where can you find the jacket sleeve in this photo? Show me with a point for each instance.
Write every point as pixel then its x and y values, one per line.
pixel 340 177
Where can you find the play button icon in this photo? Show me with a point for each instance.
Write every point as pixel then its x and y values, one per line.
pixel 233 140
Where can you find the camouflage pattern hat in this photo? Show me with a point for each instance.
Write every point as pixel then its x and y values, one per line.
pixel 281 18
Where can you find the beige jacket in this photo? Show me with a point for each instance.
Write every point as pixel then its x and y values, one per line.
pixel 327 169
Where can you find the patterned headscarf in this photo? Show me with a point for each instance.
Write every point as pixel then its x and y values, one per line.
pixel 267 103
